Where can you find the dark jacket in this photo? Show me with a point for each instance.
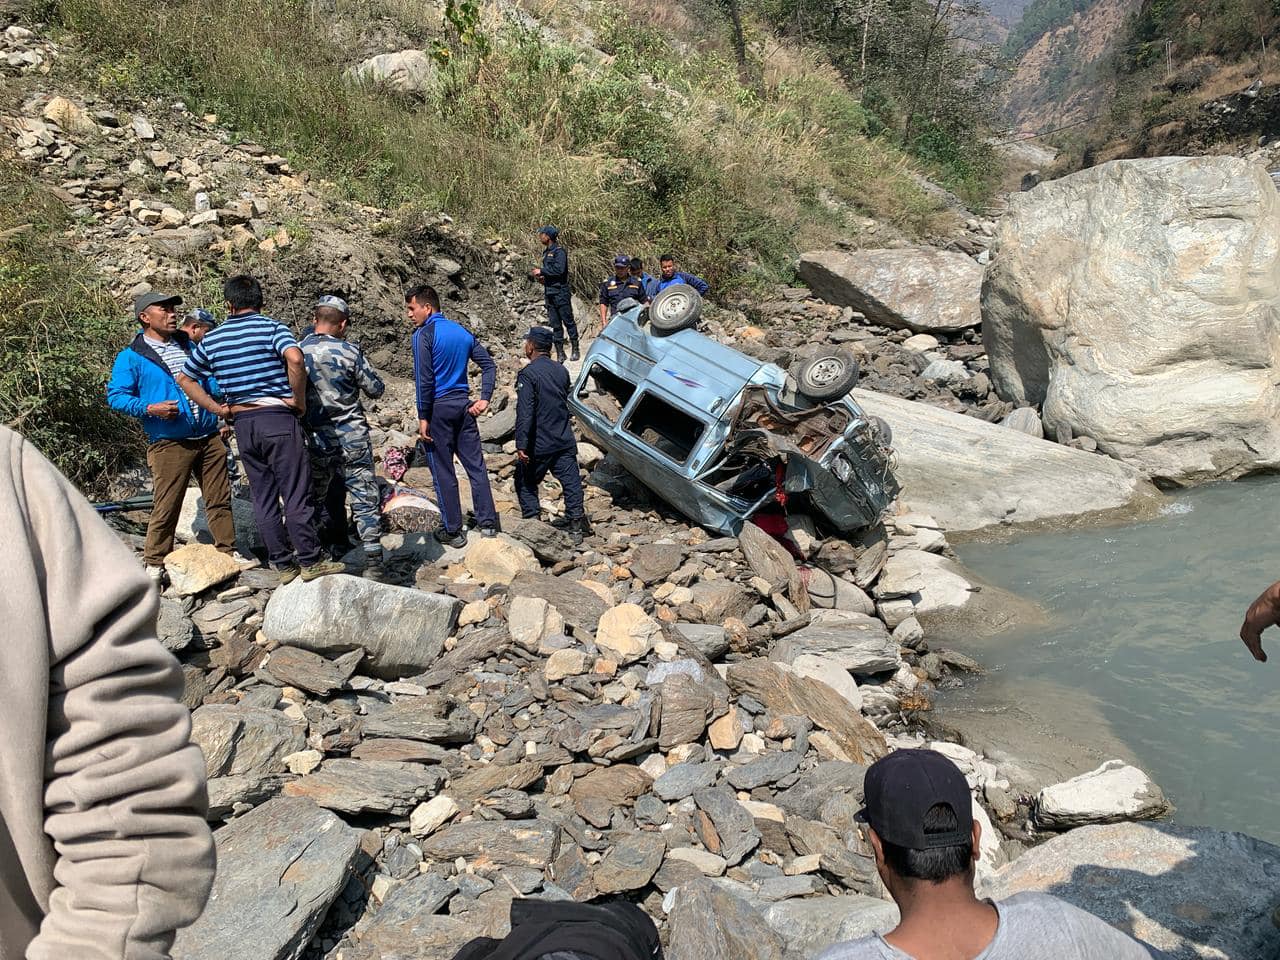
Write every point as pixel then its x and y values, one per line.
pixel 613 291
pixel 555 270
pixel 542 409
pixel 140 378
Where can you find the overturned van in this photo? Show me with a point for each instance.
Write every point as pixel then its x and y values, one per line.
pixel 721 436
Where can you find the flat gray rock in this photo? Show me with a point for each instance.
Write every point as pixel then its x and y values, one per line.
pixel 707 922
pixel 1190 891
pixel 403 629
pixel 631 863
pixel 768 769
pixel 494 844
pixel 308 671
pixel 239 741
pixel 432 719
pixel 683 779
pixel 811 925
pixel 368 786
pixel 734 826
pixel 580 608
pixel 279 868
pixel 858 643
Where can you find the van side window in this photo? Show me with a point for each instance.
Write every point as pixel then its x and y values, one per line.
pixel 605 392
pixel 658 424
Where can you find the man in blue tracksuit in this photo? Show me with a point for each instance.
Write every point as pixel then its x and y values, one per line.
pixel 182 439
pixel 671 274
pixel 446 413
pixel 544 439
pixel 554 277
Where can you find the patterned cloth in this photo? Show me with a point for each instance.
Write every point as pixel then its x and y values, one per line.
pixel 174 357
pixel 246 354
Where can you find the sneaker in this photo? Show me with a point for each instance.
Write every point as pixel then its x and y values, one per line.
pixel 454 539
pixel 158 576
pixel 288 574
pixel 322 569
pixel 245 562
pixel 488 532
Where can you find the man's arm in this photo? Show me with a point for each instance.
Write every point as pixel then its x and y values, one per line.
pixel 124 788
pixel 1262 613
pixel 200 397
pixel 424 379
pixel 123 393
pixel 296 367
pixel 368 378
pixel 488 377
pixel 697 283
pixel 558 269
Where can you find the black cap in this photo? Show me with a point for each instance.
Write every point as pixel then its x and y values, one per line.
pixel 902 787
pixel 540 337
pixel 151 298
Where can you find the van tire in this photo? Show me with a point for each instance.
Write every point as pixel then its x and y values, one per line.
pixel 678 307
pixel 827 376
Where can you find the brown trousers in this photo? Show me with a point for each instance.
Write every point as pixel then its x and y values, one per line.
pixel 173 463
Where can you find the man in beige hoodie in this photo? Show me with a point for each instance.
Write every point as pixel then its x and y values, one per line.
pixel 104 851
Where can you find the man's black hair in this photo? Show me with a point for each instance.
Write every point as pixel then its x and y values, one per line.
pixel 666 258
pixel 425 294
pixel 637 262
pixel 937 864
pixel 242 292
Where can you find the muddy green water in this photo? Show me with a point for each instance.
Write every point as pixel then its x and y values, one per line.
pixel 1141 656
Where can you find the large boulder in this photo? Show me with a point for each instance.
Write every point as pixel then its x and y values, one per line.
pixel 970 474
pixel 402 629
pixel 1139 302
pixel 406 71
pixel 951 603
pixel 1115 791
pixel 244 741
pixel 920 289
pixel 280 866
pixel 1190 891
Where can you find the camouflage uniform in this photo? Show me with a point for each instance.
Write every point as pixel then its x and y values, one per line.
pixel 337 372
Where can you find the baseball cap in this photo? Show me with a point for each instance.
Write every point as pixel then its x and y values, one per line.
pixel 550 231
pixel 201 315
pixel 336 303
pixel 899 791
pixel 541 337
pixel 622 260
pixel 153 298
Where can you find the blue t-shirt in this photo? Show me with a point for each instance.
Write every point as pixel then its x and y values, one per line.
pixel 246 354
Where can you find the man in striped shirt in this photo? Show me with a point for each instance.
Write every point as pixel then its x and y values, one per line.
pixel 263 376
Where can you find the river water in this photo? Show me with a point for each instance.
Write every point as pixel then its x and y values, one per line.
pixel 1141 656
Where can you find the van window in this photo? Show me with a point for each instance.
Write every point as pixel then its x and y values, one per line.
pixel 605 392
pixel 665 428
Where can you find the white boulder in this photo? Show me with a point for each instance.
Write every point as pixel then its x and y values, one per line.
pixel 1114 792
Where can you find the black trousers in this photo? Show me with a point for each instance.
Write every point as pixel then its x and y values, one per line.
pixel 564 467
pixel 560 316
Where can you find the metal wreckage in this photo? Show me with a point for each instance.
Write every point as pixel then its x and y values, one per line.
pixel 722 437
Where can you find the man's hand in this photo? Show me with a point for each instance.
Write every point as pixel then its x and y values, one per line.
pixel 224 432
pixel 424 431
pixel 536 273
pixel 299 408
pixel 522 456
pixel 477 408
pixel 165 411
pixel 1262 613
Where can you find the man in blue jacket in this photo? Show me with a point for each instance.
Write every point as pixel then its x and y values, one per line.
pixel 183 440
pixel 671 274
pixel 447 415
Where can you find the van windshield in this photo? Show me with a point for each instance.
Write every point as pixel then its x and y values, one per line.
pixel 664 427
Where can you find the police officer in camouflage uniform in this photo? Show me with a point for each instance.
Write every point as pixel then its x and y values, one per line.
pixel 341 451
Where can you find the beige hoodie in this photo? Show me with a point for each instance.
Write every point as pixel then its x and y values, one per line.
pixel 104 851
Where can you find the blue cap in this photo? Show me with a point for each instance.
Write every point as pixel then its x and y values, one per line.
pixel 337 303
pixel 622 260
pixel 200 315
pixel 550 231
pixel 540 337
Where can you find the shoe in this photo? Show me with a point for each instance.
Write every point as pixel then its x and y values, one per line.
pixel 240 558
pixel 454 539
pixel 489 532
pixel 322 569
pixel 574 354
pixel 288 574
pixel 158 576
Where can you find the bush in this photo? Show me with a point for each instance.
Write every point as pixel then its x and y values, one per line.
pixel 59 334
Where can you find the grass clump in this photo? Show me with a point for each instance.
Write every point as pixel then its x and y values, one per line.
pixel 653 148
pixel 59 334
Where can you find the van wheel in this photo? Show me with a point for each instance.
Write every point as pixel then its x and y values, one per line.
pixel 828 376
pixel 675 308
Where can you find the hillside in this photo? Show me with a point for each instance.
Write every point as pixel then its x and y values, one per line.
pixel 1130 78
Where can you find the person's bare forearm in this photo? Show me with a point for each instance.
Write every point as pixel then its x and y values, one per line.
pixel 297 368
pixel 1264 612
pixel 200 396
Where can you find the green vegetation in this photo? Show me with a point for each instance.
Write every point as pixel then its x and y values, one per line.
pixel 1040 17
pixel 59 333
pixel 658 146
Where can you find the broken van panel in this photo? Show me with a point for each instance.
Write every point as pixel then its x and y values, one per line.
pixel 719 435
